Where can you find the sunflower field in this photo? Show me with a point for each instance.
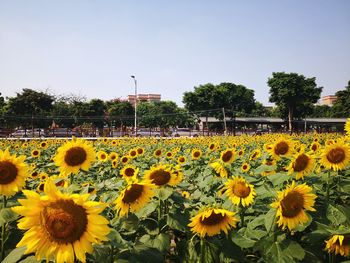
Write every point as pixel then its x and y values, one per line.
pixel 269 198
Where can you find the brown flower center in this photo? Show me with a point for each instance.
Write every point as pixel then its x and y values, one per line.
pixel 169 154
pixel 140 151
pixel 64 221
pixel 132 194
pixel 212 146
pixel 160 177
pixel 129 172
pixel 336 155
pixel 125 159
pixel 281 148
pixel 226 157
pixel 255 155
pixel 292 204
pixel 133 153
pixel 8 172
pixel 213 219
pixel 241 190
pixel 300 163
pixel 35 153
pixel 196 154
pixel 158 152
pixel 181 159
pixel 314 147
pixel 103 156
pixel 75 156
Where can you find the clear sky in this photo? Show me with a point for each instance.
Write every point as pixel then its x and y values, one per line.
pixel 91 48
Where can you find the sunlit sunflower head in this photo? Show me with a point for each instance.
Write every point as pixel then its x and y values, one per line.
pixel 245 167
pixel 347 127
pixel 212 146
pixel 114 164
pixel 13 173
pixel 339 244
pixel 239 191
pixel 44 144
pixel 169 155
pixel 282 147
pixel 113 156
pixel 35 153
pixel 34 174
pixel 181 159
pixel 196 154
pixel 301 165
pixel 40 187
pixel 219 168
pixel 133 153
pixel 129 173
pixel 291 205
pixel 74 155
pixel 227 156
pixel 43 176
pixel 60 227
pixel 315 146
pixel 185 194
pixel 255 154
pixel 336 156
pixel 212 221
pixel 178 174
pixel 161 175
pixel 157 153
pixel 102 156
pixel 125 159
pixel 140 151
pixel 134 197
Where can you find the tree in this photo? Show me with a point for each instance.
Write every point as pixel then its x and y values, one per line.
pixel 30 107
pixel 120 113
pixel 341 107
pixel 321 111
pixel 292 92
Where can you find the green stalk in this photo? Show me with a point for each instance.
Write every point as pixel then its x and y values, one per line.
pixel 201 256
pixel 159 211
pixel 328 186
pixel 3 232
pixel 242 214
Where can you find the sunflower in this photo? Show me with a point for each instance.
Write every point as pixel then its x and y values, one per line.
pixel 227 156
pixel 134 197
pixel 40 187
pixel 271 171
pixel 140 151
pixel 129 173
pixel 336 156
pixel 13 173
pixel 240 152
pixel 74 155
pixel 212 221
pixel 196 154
pixel 114 164
pixel 181 159
pixel 43 144
pixel 125 159
pixel 113 156
pixel 34 174
pixel 59 226
pixel 169 155
pixel 347 127
pixel 212 146
pixel 219 168
pixel 255 154
pixel 239 191
pixel 161 175
pixel 35 153
pixel 339 244
pixel 102 156
pixel 302 164
pixel 185 194
pixel 245 167
pixel 282 147
pixel 291 205
pixel 178 174
pixel 157 153
pixel 315 146
pixel 133 153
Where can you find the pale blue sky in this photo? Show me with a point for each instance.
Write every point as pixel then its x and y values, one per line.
pixel 92 47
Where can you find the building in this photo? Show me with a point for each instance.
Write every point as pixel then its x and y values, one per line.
pixel 144 98
pixel 328 100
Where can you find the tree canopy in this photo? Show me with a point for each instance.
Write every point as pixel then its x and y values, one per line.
pixel 341 107
pixel 293 94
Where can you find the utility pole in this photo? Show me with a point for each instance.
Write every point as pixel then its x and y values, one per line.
pixel 225 127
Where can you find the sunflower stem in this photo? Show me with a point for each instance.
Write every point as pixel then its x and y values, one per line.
pixel 71 179
pixel 3 232
pixel 159 211
pixel 201 256
pixel 328 186
pixel 242 214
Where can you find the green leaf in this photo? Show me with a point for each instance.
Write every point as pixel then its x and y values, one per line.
pixel 270 219
pixel 165 192
pixel 335 215
pixel 7 215
pixel 241 240
pixel 147 210
pixel 30 259
pixel 210 253
pixel 178 220
pixel 160 242
pixel 278 179
pixel 15 255
pixel 294 250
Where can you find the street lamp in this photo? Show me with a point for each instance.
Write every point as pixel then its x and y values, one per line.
pixel 135 81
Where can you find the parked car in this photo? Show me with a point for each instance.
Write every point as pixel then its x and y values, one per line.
pixel 28 133
pixel 178 132
pixel 64 132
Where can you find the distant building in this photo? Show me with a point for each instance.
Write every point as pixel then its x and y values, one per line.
pixel 143 98
pixel 328 100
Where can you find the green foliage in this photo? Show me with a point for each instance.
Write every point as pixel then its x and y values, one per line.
pixel 341 107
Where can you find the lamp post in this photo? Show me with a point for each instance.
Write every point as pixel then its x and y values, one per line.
pixel 135 81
